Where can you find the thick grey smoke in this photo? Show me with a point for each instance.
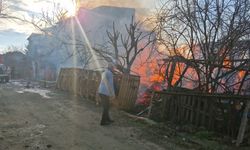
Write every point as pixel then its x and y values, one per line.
pixel 142 7
pixel 118 3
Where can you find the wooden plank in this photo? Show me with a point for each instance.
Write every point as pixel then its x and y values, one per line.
pixel 189 109
pixel 178 108
pixel 211 109
pixel 174 108
pixel 128 91
pixel 204 113
pixel 181 108
pixel 58 81
pixel 193 110
pixel 135 82
pixel 151 104
pixel 197 111
pixel 187 113
pixel 165 101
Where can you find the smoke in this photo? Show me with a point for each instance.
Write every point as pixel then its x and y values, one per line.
pixel 118 3
pixel 142 7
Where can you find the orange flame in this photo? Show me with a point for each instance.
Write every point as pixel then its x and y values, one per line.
pixel 241 74
pixel 158 75
pixel 227 63
pixel 177 72
pixel 150 73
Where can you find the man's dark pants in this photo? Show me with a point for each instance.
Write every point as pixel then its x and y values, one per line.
pixel 105 105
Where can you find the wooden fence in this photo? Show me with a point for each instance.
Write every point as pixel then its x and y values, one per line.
pixel 85 83
pixel 129 85
pixel 220 113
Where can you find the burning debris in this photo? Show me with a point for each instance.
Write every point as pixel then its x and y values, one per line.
pixel 145 97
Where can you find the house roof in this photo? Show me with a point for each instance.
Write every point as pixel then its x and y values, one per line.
pixel 34 35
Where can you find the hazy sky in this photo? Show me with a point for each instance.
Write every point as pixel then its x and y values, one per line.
pixel 16 33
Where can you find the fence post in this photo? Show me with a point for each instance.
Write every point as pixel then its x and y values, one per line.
pixel 151 103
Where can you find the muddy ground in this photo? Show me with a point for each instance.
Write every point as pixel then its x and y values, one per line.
pixel 32 119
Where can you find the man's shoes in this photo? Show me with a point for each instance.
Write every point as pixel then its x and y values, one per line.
pixel 103 123
pixel 111 121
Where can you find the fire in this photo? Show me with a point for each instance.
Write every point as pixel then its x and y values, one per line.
pixel 149 67
pixel 238 79
pixel 150 73
pixel 179 68
pixel 158 74
pixel 154 71
pixel 157 78
pixel 183 50
pixel 227 63
pixel 241 74
pixel 177 72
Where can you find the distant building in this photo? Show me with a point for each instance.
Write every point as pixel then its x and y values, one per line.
pixel 20 66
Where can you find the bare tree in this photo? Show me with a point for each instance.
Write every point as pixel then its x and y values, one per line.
pixel 3 10
pixel 76 47
pixel 126 47
pixel 1 6
pixel 204 36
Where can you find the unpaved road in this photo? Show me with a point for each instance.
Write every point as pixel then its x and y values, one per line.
pixel 29 121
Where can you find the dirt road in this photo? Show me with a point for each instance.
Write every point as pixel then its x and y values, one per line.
pixel 54 120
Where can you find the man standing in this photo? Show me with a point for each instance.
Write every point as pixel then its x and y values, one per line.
pixel 106 92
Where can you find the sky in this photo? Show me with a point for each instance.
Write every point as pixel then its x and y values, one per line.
pixel 15 33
